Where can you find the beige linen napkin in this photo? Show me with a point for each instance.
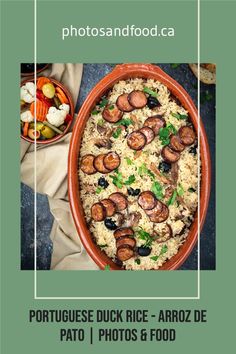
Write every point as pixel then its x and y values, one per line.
pixel 68 252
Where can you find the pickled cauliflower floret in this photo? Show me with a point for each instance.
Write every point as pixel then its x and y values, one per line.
pixel 65 107
pixel 56 116
pixel 26 117
pixel 27 92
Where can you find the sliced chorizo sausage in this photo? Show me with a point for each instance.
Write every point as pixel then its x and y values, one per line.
pixel 125 240
pixel 124 231
pixel 155 123
pixel 156 210
pixel 123 103
pixel 137 99
pixel 158 218
pixel 170 155
pixel 99 164
pixel 87 165
pixel 112 114
pixel 149 133
pixel 176 144
pixel 120 200
pixel 187 135
pixel 111 161
pixel 136 140
pixel 109 205
pixel 124 253
pixel 98 212
pixel 147 200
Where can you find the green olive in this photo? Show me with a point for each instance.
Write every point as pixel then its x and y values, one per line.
pixel 39 125
pixel 33 133
pixel 47 132
pixel 48 90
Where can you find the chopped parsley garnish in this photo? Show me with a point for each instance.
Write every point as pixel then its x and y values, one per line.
pixel 117 133
pixel 117 180
pixel 111 107
pixel 164 133
pixel 125 122
pixel 180 190
pixel 103 246
pixel 143 170
pixel 145 236
pixel 107 267
pixel 130 180
pixel 172 198
pixel 154 258
pixel 179 116
pixel 98 190
pixel 95 112
pixel 191 190
pixel 103 103
pixel 129 161
pixel 175 65
pixel 150 92
pixel 163 250
pixel 101 122
pixel 137 260
pixel 157 189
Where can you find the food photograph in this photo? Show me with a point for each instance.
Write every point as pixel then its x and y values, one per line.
pixel 124 164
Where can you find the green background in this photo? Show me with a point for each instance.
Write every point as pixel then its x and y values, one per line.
pixel 217 293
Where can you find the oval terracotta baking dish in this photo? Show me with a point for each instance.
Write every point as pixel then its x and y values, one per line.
pixel 123 72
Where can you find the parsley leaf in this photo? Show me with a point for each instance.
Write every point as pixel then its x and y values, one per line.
pixel 117 180
pixel 95 112
pixel 191 190
pixel 172 198
pixel 157 189
pixel 130 180
pixel 163 250
pixel 98 190
pixel 164 133
pixel 103 246
pixel 117 133
pixel 103 103
pixel 180 190
pixel 154 258
pixel 150 92
pixel 101 122
pixel 143 170
pixel 125 122
pixel 145 236
pixel 107 267
pixel 179 116
pixel 111 107
pixel 129 161
pixel 137 260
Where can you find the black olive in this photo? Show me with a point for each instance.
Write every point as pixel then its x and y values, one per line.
pixel 102 182
pixel 133 192
pixel 137 191
pixel 193 150
pixel 110 224
pixel 152 102
pixel 118 262
pixel 164 167
pixel 144 251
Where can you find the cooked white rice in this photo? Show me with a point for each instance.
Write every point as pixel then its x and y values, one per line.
pixel 180 214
